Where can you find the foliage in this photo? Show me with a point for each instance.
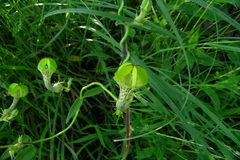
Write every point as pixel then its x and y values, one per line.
pixel 188 110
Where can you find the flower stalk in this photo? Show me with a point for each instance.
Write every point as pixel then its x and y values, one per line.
pixel 17 91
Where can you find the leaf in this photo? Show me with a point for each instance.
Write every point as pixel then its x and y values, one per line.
pixel 194 39
pixel 218 13
pixel 93 92
pixel 224 47
pixel 205 58
pixel 89 11
pixel 99 133
pixel 147 152
pixel 74 108
pixel 26 153
pixel 232 2
pixel 16 67
pixel 214 97
pixel 230 111
pixel 234 58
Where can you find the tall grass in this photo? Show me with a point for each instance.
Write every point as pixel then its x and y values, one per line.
pixel 189 109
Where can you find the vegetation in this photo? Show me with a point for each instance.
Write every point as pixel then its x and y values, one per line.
pixel 188 110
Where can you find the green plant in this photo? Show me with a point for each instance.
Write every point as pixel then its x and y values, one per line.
pixel 188 110
pixel 17 91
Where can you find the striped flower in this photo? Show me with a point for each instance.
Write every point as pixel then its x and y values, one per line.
pixel 129 77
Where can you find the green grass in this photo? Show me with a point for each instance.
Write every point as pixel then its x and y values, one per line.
pixel 189 49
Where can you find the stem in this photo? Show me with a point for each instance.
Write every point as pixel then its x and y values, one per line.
pixel 47 82
pixel 121 8
pixel 7 146
pixel 128 133
pixel 99 84
pixel 14 103
pixel 42 140
pixel 123 43
pixel 61 132
pixel 75 117
pixel 74 93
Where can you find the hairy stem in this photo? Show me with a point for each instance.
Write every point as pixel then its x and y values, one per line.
pixel 47 82
pixel 14 103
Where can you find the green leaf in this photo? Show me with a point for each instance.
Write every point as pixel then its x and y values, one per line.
pixel 204 58
pixel 230 111
pixel 26 153
pixel 232 2
pixel 224 47
pixel 99 133
pixel 74 108
pixel 24 138
pixel 15 67
pixel 89 11
pixel 147 152
pixel 93 92
pixel 234 57
pixel 194 39
pixel 218 13
pixel 214 97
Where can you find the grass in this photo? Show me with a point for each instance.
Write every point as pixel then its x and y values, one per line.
pixel 189 109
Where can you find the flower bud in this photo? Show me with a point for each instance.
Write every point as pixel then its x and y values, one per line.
pixel 69 83
pixel 20 139
pixel 144 9
pixel 17 90
pixel 146 5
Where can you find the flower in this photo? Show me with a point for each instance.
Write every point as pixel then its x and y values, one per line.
pixel 47 66
pixel 18 90
pixel 129 77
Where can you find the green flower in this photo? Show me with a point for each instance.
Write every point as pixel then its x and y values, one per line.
pixel 144 9
pixel 47 66
pixel 146 6
pixel 18 90
pixel 129 77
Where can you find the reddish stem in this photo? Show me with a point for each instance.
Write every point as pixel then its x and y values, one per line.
pixel 128 132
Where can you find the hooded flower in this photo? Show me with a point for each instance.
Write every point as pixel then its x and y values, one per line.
pixel 17 90
pixel 47 66
pixel 129 77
